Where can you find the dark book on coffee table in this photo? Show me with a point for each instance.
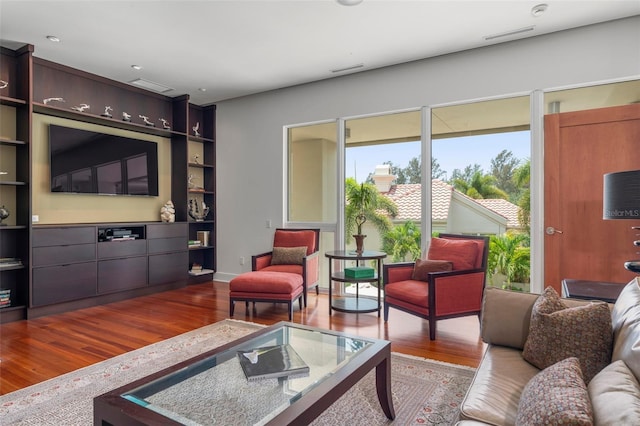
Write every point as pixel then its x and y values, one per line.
pixel 272 362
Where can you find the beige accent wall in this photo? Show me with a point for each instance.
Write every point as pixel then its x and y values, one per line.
pixel 53 208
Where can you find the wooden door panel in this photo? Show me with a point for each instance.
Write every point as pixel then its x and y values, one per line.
pixel 580 147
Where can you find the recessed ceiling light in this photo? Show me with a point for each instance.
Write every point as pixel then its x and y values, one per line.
pixel 349 2
pixel 136 67
pixel 539 9
pixel 202 89
pixel 53 38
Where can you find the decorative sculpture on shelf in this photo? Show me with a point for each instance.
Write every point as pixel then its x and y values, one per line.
pixel 165 124
pixel 125 116
pixel 4 213
pixel 198 211
pixel 81 107
pixel 3 84
pixel 146 121
pixel 195 129
pixel 196 159
pixel 107 112
pixel 168 212
pixel 46 101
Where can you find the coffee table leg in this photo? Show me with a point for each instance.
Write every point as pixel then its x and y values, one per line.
pixel 383 386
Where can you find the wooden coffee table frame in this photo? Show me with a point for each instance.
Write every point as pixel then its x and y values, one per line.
pixel 112 409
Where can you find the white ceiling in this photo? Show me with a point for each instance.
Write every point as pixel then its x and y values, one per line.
pixel 241 47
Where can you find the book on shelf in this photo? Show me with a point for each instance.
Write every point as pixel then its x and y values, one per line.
pixel 201 272
pixel 195 243
pixel 272 362
pixel 6 262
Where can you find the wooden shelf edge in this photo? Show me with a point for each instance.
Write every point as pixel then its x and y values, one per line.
pixel 12 183
pixel 96 119
pixel 194 191
pixel 12 227
pixel 200 139
pixel 6 100
pixel 11 142
pixel 201 248
pixel 202 166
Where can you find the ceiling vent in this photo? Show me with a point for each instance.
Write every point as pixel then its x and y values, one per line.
pixel 510 33
pixel 150 85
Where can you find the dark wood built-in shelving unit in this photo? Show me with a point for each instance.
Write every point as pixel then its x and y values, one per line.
pixel 160 259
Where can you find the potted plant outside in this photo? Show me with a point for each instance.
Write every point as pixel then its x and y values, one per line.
pixel 364 203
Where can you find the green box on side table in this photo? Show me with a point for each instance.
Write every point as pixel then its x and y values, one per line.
pixel 359 272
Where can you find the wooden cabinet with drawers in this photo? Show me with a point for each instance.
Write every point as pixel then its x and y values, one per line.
pixel 79 266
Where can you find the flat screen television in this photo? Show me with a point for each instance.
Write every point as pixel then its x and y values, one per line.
pixel 87 162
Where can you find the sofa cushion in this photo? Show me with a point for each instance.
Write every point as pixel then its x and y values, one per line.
pixel 422 268
pixel 558 332
pixel 266 282
pixel 557 395
pixel 495 391
pixel 288 255
pixel 615 395
pixel 626 327
pixel 461 253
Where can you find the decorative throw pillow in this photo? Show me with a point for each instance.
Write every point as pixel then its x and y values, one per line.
pixel 288 255
pixel 557 332
pixel 422 268
pixel 461 253
pixel 556 396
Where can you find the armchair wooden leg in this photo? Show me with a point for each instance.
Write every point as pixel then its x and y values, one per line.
pixel 432 330
pixel 304 294
pixel 386 312
pixel 232 306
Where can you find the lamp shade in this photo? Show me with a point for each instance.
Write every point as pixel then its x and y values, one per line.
pixel 621 197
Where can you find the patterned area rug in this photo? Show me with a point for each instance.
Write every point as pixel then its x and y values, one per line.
pixel 424 391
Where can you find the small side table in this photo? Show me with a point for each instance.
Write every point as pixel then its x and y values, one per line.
pixel 591 290
pixel 355 304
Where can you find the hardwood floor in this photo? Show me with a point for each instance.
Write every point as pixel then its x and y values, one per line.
pixel 35 350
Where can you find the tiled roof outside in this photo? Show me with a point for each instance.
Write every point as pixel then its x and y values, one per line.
pixel 504 208
pixel 408 199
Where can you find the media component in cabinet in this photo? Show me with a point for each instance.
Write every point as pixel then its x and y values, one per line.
pixel 355 303
pixel 122 258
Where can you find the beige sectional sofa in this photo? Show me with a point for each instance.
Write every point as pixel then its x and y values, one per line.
pixel 496 390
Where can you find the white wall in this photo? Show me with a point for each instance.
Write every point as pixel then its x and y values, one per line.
pixel 250 129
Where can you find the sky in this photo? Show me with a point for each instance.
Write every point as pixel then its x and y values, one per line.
pixel 452 153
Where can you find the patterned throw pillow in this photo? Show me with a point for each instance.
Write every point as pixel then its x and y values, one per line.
pixel 288 255
pixel 556 396
pixel 557 332
pixel 422 268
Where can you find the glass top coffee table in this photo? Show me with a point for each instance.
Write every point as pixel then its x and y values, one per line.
pixel 211 388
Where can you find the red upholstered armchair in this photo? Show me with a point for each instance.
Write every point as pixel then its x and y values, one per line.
pixel 449 284
pixel 287 255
